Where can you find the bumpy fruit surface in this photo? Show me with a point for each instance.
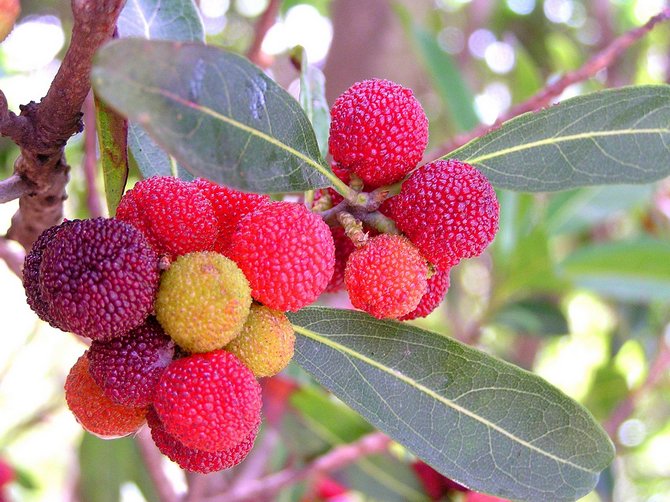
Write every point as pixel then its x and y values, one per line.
pixel 208 401
pixel 195 460
pixel 438 285
pixel 96 412
pixel 230 206
pixel 128 368
pixel 448 209
pixel 203 301
pixel 378 130
pixel 343 249
pixel 387 277
pixel 31 273
pixel 266 342
pixel 286 252
pixel 99 278
pixel 173 214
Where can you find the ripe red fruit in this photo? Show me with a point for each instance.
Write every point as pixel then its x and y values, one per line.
pixel 437 486
pixel 438 285
pixel 95 412
pixel 286 253
pixel 448 209
pixel 31 273
pixel 230 206
pixel 343 249
pixel 208 401
pixel 7 474
pixel 173 214
pixel 387 277
pixel 378 130
pixel 195 460
pixel 128 368
pixel 98 278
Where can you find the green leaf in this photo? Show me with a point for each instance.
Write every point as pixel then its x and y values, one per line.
pixel 480 421
pixel 577 210
pixel 161 20
pixel 443 71
pixel 614 136
pixel 534 317
pixel 219 115
pixel 158 20
pixel 112 138
pixel 637 270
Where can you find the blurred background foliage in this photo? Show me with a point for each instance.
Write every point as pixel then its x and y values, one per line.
pixel 576 286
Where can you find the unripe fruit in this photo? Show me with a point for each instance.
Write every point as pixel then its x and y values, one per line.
pixel 266 342
pixel 387 277
pixel 378 130
pixel 230 206
pixel 438 285
pixel 448 209
pixel 99 278
pixel 195 460
pixel 173 214
pixel 208 401
pixel 286 252
pixel 203 301
pixel 95 412
pixel 128 368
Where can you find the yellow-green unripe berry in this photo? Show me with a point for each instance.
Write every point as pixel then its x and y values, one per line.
pixel 203 301
pixel 266 343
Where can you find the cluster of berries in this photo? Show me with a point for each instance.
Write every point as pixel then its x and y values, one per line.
pixel 183 295
pixel 445 210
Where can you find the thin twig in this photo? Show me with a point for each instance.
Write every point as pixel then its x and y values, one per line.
pixel 657 371
pixel 12 257
pixel 337 458
pixel 600 61
pixel 90 159
pixel 261 29
pixel 12 188
pixel 153 460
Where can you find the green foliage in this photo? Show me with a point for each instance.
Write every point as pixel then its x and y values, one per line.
pixel 112 132
pixel 475 418
pixel 608 137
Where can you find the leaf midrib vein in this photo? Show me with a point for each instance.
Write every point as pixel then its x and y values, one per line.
pixel 409 381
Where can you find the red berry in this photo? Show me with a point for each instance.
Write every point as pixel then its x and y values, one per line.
pixel 195 460
pixel 99 278
pixel 343 249
pixel 173 214
pixel 437 486
pixel 448 209
pixel 286 253
pixel 387 277
pixel 128 368
pixel 95 412
pixel 208 401
pixel 7 474
pixel 230 206
pixel 438 285
pixel 378 130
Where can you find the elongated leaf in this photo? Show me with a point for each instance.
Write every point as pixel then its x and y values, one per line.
pixel 533 317
pixel 220 116
pixel 313 99
pixel 478 420
pixel 634 270
pixel 112 138
pixel 609 137
pixel 158 20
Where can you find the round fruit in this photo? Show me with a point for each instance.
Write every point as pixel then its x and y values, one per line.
pixel 173 214
pixel 438 285
pixel 195 460
pixel 343 249
pixel 208 401
pixel 95 412
pixel 203 301
pixel 230 206
pixel 128 368
pixel 99 278
pixel 266 342
pixel 387 277
pixel 448 209
pixel 286 252
pixel 378 130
